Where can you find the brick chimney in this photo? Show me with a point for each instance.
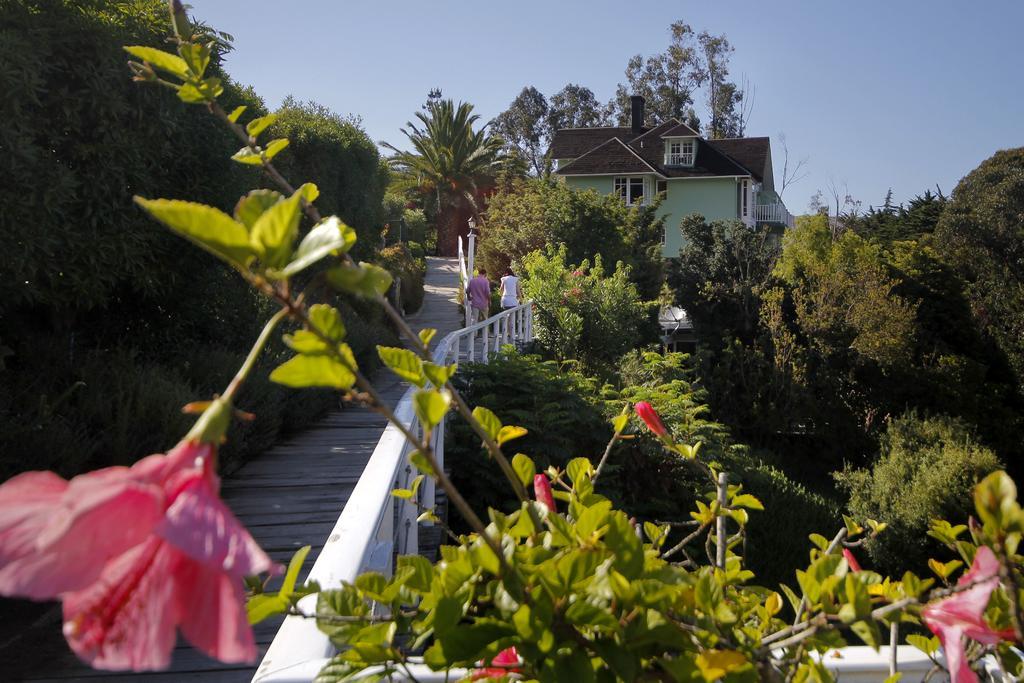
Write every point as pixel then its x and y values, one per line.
pixel 636 105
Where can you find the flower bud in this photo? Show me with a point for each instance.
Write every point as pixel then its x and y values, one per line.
pixel 650 417
pixel 542 491
pixel 851 560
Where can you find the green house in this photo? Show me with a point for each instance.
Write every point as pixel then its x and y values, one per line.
pixel 720 179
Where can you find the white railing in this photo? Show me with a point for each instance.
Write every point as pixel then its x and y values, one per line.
pixel 683 159
pixel 374 525
pixel 773 213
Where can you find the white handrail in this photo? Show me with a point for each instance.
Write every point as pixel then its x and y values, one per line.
pixel 365 535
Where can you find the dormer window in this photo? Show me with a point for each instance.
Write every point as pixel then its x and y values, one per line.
pixel 680 153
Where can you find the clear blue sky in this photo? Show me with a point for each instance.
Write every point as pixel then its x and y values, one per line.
pixel 877 94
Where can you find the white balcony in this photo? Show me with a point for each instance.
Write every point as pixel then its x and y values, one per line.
pixel 683 159
pixel 773 213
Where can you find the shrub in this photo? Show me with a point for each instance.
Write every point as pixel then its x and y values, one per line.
pixel 335 153
pixel 926 470
pixel 583 314
pixel 560 410
pixel 408 271
pixel 530 215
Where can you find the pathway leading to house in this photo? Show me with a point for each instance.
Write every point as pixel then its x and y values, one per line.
pixel 288 497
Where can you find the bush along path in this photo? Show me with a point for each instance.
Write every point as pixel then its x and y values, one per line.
pixel 288 497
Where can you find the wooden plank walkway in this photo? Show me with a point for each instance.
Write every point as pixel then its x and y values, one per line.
pixel 288 497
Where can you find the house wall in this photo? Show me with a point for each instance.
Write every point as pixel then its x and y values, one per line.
pixel 714 198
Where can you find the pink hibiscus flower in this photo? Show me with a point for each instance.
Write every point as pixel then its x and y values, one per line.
pixel 505 660
pixel 962 615
pixel 650 416
pixel 134 554
pixel 542 491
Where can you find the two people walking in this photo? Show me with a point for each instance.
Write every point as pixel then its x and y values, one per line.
pixel 479 293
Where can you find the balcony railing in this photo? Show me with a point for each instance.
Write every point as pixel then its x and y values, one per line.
pixel 684 159
pixel 773 213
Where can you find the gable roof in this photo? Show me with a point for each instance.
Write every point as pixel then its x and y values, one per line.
pixel 682 130
pixel 570 143
pixel 752 153
pixel 613 156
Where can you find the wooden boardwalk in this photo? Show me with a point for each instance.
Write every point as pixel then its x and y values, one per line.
pixel 288 497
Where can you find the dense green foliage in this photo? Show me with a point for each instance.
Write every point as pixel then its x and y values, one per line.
pixel 581 313
pixel 926 470
pixel 337 154
pixel 565 411
pixel 528 215
pixel 407 270
pixel 111 324
pixel 981 233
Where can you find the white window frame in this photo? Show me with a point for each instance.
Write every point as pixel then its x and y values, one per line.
pixel 623 186
pixel 681 152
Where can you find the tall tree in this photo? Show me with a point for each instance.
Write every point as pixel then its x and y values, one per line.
pixel 667 81
pixel 724 98
pixel 575 107
pixel 526 129
pixel 451 165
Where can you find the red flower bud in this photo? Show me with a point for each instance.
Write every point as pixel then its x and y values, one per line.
pixel 542 491
pixel 851 560
pixel 650 417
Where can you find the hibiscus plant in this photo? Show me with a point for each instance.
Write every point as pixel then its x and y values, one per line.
pixel 563 588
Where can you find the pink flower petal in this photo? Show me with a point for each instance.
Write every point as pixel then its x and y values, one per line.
pixel 96 517
pixel 542 491
pixel 125 619
pixel 211 612
pixel 200 525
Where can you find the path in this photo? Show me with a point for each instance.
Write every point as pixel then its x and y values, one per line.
pixel 288 497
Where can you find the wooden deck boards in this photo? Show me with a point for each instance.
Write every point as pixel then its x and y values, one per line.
pixel 288 497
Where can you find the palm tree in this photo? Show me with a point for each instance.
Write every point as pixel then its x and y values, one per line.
pixel 450 165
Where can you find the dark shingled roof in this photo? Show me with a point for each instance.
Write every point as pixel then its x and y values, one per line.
pixel 682 130
pixel 592 153
pixel 613 156
pixel 569 143
pixel 750 152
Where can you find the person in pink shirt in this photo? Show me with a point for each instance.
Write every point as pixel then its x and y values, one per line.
pixel 479 294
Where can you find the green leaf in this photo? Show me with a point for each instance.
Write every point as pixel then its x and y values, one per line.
pixel 207 90
pixel 330 236
pixel 422 575
pixel 274 232
pixel 579 468
pixel 210 228
pixel 366 279
pixel 314 371
pixel 747 501
pixel 420 462
pixel 488 420
pixel 294 567
pixel 309 192
pixel 264 605
pixel 236 113
pixel 405 494
pixel 196 56
pixel 923 643
pixel 619 423
pixel 258 125
pixel 426 334
pixel 431 405
pixel 524 468
pixel 274 147
pixel 165 61
pixel 508 433
pixel 250 207
pixel 247 156
pixel 327 320
pixel 439 374
pixel 403 363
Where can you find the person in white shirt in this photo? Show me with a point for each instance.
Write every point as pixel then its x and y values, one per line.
pixel 511 291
